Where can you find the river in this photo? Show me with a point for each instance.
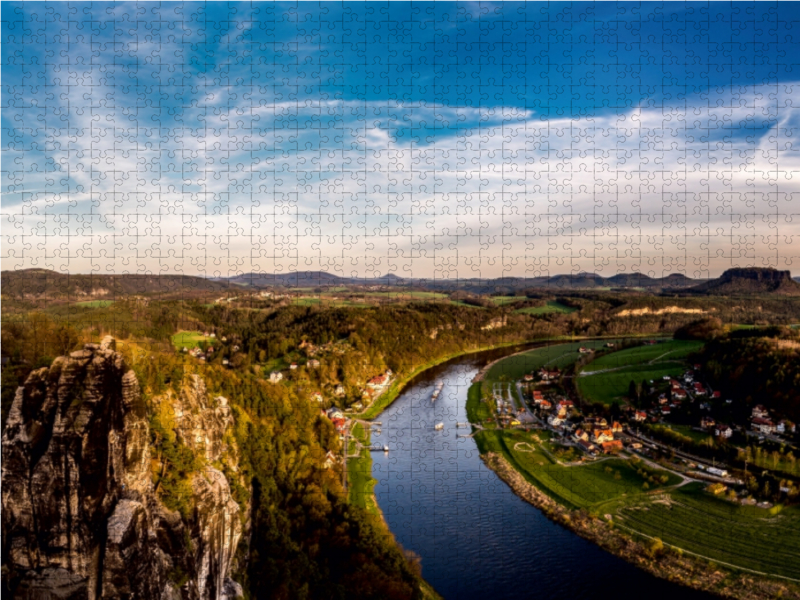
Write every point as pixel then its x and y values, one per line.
pixel 476 538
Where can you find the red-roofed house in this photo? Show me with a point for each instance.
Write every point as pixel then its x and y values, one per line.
pixel 611 447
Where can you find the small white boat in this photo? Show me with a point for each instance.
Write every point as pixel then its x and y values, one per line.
pixel 385 448
pixel 439 426
pixel 437 391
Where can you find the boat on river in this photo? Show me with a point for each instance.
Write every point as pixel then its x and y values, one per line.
pixel 439 426
pixel 437 391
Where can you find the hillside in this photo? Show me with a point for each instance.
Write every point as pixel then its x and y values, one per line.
pixel 43 283
pixel 751 280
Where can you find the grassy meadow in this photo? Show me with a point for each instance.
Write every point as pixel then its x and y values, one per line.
pixel 607 379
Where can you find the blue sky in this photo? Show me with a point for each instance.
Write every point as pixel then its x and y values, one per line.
pixel 452 139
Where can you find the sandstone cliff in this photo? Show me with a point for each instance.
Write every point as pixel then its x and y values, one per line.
pixel 81 518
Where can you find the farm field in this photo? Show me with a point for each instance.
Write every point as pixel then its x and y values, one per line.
pixel 744 536
pixel 95 303
pixel 639 355
pixel 502 300
pixel 188 339
pixel 607 379
pixel 551 307
pixel 557 355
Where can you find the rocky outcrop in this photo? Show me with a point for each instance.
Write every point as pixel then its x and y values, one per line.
pixel 750 281
pixel 81 518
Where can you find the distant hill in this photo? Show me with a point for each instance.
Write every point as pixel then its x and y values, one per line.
pixel 43 283
pixel 750 280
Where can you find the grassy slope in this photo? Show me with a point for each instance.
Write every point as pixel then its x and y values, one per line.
pixel 632 364
pixel 745 536
pixel 551 307
pixel 189 339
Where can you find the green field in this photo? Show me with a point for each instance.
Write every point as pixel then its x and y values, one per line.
pixel 633 364
pixel 551 307
pixel 698 522
pixel 502 300
pixel 188 339
pixel 95 303
pixel 359 472
pixel 557 355
pixel 589 486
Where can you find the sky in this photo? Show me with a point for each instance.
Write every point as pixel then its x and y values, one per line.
pixel 455 140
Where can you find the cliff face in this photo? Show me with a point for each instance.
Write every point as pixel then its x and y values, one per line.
pixel 81 518
pixel 751 281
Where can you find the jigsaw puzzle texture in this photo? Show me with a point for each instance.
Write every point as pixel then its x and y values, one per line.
pixel 466 139
pixel 446 141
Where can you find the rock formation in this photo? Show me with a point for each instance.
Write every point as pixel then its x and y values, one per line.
pixel 750 281
pixel 81 518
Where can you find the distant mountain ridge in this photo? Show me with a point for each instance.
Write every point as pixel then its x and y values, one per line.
pixel 750 280
pixel 561 281
pixel 43 282
pixel 35 283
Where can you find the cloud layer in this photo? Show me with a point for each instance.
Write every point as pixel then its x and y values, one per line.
pixel 136 154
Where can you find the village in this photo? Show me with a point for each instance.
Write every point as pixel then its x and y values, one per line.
pixel 544 400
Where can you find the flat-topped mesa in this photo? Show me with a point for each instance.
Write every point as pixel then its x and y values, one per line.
pixel 751 280
pixel 81 518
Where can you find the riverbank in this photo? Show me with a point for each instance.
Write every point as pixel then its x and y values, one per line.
pixel 658 559
pixel 385 399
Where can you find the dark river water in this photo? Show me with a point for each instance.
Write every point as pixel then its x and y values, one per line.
pixel 477 539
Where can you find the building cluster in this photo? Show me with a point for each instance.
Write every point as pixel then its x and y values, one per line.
pixel 761 421
pixel 595 435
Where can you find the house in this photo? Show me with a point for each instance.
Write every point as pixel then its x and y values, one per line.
pixel 358 406
pixel 666 410
pixel 587 447
pixel 335 413
pixel 762 425
pixel 716 395
pixel 213 335
pixel 275 377
pixel 537 397
pixel 339 423
pixel 640 415
pixel 563 407
pixel 699 389
pixel 707 422
pixel 580 435
pixel 680 394
pixel 785 426
pixel 379 382
pixel 585 350
pixel 225 361
pixel 616 427
pixel 293 366
pixel 759 412
pixel 545 404
pixel 555 420
pixel 601 422
pixel 610 344
pixel 600 436
pixel 723 431
pixel 330 460
pixel 184 350
pixel 548 375
pixel 528 377
pixel 339 391
pixel 317 396
pixel 611 447
pixel 313 363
